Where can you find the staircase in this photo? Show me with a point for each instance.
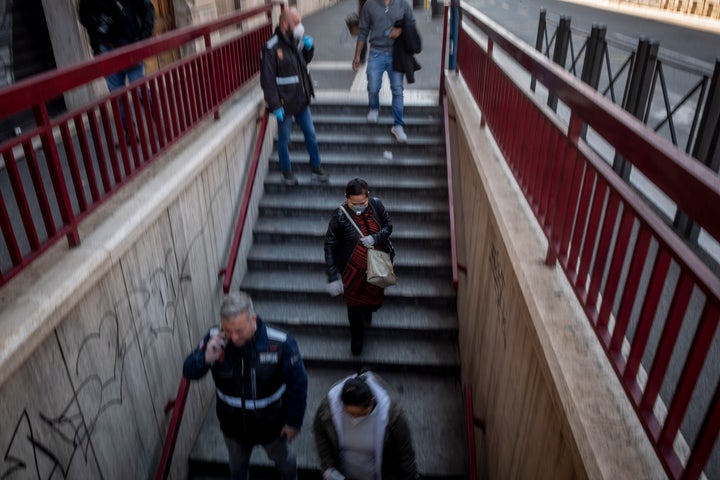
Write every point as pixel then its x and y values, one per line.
pixel 412 342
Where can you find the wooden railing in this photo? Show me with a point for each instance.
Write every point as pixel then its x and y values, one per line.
pixel 89 144
pixel 629 270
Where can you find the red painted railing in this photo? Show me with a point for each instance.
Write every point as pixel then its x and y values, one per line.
pixel 178 408
pixel 89 143
pixel 608 241
pixel 229 269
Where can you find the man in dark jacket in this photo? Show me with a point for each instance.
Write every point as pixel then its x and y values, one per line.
pixel 361 432
pixel 115 23
pixel 288 89
pixel 261 385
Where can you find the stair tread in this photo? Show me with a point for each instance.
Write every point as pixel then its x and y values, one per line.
pixel 360 118
pixel 400 158
pixel 376 180
pixel 415 255
pixel 333 312
pixel 321 200
pixel 316 226
pixel 314 282
pixel 370 138
pixel 421 396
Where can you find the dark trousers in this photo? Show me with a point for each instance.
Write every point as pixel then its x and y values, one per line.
pixel 358 317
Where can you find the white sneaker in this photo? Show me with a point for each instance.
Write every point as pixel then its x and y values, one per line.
pixel 399 133
pixel 372 116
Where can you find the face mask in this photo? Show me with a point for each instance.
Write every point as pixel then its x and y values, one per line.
pixel 359 209
pixel 298 32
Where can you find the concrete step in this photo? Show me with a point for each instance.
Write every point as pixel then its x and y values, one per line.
pixel 291 204
pixel 291 254
pixel 381 184
pixel 422 396
pixel 332 314
pixel 414 125
pixel 311 228
pixel 370 143
pixel 311 283
pixel 363 161
pixel 346 110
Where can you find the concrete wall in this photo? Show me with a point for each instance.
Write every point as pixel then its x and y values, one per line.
pixel 92 339
pixel 552 405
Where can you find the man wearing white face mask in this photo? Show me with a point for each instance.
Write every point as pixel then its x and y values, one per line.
pixel 288 89
pixel 361 432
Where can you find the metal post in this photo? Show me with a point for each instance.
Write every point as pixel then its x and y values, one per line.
pixel 705 148
pixel 637 91
pixel 42 120
pixel 454 27
pixel 562 41
pixel 592 65
pixel 541 33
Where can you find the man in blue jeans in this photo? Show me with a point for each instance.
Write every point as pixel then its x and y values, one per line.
pixel 377 27
pixel 288 89
pixel 115 23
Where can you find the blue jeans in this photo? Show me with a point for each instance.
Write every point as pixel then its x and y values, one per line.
pixel 377 64
pixel 304 120
pixel 278 451
pixel 117 80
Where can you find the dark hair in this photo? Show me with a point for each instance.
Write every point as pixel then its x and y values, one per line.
pixel 357 393
pixel 357 186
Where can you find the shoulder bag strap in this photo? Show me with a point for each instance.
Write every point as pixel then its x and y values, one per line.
pixel 351 220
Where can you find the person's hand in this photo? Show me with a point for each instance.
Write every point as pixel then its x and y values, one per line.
pixel 307 42
pixel 279 114
pixel 395 32
pixel 367 241
pixel 215 348
pixel 289 432
pixel 334 288
pixel 356 63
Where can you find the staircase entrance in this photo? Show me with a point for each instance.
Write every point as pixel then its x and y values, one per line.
pixel 412 342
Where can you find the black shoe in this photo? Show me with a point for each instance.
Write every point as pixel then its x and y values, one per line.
pixel 356 346
pixel 289 178
pixel 320 175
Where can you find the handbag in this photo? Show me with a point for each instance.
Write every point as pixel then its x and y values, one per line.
pixel 379 264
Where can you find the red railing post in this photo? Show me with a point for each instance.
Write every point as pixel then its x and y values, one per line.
pixel 244 205
pixel 56 173
pixel 214 82
pixel 178 407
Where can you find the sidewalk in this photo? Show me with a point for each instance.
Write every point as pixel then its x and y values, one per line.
pixel 331 68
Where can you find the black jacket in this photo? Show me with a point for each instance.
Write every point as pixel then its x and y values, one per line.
pixel 405 47
pixel 116 23
pixel 342 237
pixel 256 371
pixel 284 76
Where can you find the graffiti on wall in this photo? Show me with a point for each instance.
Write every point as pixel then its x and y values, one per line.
pixel 50 445
pixel 499 284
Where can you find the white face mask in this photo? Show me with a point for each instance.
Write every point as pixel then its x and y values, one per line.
pixel 298 32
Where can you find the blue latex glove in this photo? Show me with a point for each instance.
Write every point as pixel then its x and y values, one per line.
pixel 308 42
pixel 279 114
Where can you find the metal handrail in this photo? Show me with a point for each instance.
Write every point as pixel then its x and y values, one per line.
pixel 605 237
pixel 48 85
pixel 451 200
pixel 161 108
pixel 178 407
pixel 244 206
